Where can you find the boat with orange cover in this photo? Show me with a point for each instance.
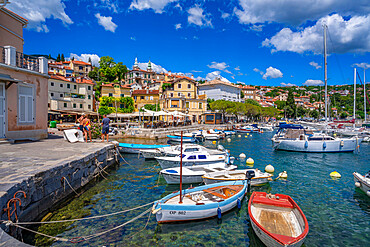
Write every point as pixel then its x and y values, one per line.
pixel 277 220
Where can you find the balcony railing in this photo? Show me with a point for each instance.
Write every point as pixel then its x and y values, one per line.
pixel 26 62
pixel 2 54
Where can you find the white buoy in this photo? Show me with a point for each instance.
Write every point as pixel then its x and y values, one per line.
pixel 239 135
pixel 283 174
pixel 250 161
pixel 358 184
pixel 228 139
pixel 242 155
pixel 269 168
pixel 251 135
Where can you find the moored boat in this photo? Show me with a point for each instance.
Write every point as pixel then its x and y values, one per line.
pixel 200 202
pixel 192 174
pixel 362 182
pixel 234 175
pixel 185 139
pixel 137 148
pixel 277 220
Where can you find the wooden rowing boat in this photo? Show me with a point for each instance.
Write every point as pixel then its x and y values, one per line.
pixel 200 202
pixel 277 220
pixel 233 175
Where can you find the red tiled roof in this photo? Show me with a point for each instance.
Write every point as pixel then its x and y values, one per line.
pixel 144 91
pixel 58 77
pixel 84 81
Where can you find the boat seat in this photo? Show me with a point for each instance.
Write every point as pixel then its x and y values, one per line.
pixel 282 202
pixel 215 193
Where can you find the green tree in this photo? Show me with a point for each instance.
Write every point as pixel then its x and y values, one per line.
pixel 58 58
pixel 242 95
pixel 237 109
pixel 62 58
pixel 166 85
pixel 104 110
pixel 120 70
pixel 94 74
pixel 290 108
pixel 209 101
pixel 301 111
pixel 314 114
pixel 252 102
pixel 280 104
pixel 152 107
pixel 49 57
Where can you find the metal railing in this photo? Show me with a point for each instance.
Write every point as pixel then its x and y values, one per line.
pixel 26 62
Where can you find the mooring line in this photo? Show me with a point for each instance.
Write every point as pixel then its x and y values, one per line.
pixel 80 219
pixel 42 234
pixel 122 157
pixel 66 180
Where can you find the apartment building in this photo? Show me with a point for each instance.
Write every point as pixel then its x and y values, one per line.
pixel 144 97
pixel 220 90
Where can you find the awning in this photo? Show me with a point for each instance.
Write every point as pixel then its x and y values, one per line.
pixel 8 80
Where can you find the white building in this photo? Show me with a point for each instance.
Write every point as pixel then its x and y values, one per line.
pixel 220 90
pixel 70 94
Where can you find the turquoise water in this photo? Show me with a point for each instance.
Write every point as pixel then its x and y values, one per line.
pixel 337 212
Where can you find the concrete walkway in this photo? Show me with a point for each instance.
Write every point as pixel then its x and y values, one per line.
pixel 24 164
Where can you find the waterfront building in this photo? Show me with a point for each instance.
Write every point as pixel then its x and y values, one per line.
pixel 115 90
pixel 145 96
pixel 182 95
pixel 70 96
pixel 220 90
pixel 23 84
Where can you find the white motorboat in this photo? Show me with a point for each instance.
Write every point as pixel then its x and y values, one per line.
pixel 234 175
pixel 173 151
pixel 247 129
pixel 266 128
pixel 192 174
pixel 200 202
pixel 362 182
pixel 293 137
pixel 194 159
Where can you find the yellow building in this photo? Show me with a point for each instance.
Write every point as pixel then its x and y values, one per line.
pixel 144 97
pixel 183 96
pixel 115 90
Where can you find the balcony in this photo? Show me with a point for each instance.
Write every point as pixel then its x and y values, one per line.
pixel 13 58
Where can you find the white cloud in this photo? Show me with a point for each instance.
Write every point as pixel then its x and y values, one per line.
pixel 295 12
pixel 255 27
pixel 177 26
pixel 156 5
pixel 288 84
pixel 109 5
pixel 237 68
pixel 219 66
pixel 225 15
pixel 156 68
pixel 316 65
pixel 361 65
pixel 240 82
pixel 106 22
pixel 178 6
pixel 133 38
pixel 216 75
pixel 350 35
pixel 240 73
pixel 197 17
pixel 195 37
pixel 272 73
pixel 196 71
pixel 258 71
pixel 85 57
pixel 310 82
pixel 37 14
pixel 229 72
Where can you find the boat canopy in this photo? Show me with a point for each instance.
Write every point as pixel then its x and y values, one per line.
pixel 290 126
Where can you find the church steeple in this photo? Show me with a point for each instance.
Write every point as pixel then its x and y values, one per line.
pixel 149 66
pixel 136 65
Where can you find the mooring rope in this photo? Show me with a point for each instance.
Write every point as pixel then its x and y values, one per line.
pixel 122 156
pixel 66 180
pixel 80 219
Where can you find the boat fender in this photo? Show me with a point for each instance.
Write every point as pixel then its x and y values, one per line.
pixel 246 136
pixel 250 161
pixel 306 144
pixel 335 174
pixel 239 135
pixel 341 143
pixel 324 145
pixel 368 193
pixel 219 213
pixel 269 168
pixel 228 140
pixel 358 184
pixel 239 203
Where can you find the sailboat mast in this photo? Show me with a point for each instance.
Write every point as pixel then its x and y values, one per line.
pixel 365 93
pixel 180 202
pixel 354 100
pixel 326 75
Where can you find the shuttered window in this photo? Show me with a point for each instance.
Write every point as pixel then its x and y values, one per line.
pixel 26 112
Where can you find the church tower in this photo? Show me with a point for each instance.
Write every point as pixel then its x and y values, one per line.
pixel 136 65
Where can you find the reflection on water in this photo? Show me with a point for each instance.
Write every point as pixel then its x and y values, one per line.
pixel 337 212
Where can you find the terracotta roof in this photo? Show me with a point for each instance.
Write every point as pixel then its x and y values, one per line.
pixel 81 63
pixel 58 77
pixel 84 81
pixel 144 91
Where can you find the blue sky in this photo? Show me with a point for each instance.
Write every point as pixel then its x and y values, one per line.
pixel 256 42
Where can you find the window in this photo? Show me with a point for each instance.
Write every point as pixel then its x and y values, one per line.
pixel 148 76
pixel 89 107
pixel 74 105
pixel 151 97
pixel 192 157
pixel 74 86
pixel 48 105
pixel 135 97
pixel 51 94
pixel 88 96
pixel 147 97
pixel 80 68
pixel 26 113
pixel 179 86
pixel 65 105
pixel 110 95
pixel 121 105
pixel 68 85
pixel 81 105
pixel 61 95
pixel 122 95
pixel 189 85
pixel 61 84
pixel 110 105
pixel 141 97
pixel 187 105
pixel 88 87
pixel 202 157
pixel 52 84
pixel 171 94
pixel 179 94
pixel 200 105
pixel 189 95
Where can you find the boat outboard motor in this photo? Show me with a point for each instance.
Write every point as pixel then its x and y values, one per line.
pixel 249 174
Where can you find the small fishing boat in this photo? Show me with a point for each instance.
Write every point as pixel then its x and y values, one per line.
pixel 277 220
pixel 362 182
pixel 185 139
pixel 247 129
pixel 194 159
pixel 175 150
pixel 137 148
pixel 233 175
pixel 199 203
pixel 192 174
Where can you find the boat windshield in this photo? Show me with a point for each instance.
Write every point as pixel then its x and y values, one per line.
pixel 190 150
pixel 202 157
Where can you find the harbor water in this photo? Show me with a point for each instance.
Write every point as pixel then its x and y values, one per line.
pixel 338 213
